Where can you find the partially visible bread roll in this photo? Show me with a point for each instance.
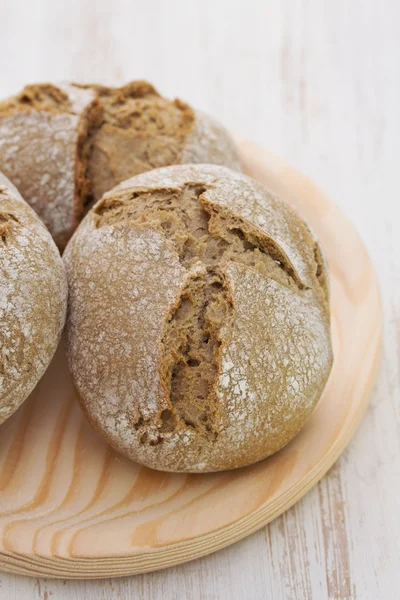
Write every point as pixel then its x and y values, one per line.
pixel 65 145
pixel 44 151
pixel 33 299
pixel 198 326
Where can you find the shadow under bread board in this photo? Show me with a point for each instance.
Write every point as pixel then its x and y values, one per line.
pixel 71 507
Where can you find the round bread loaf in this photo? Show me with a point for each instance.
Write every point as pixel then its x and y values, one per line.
pixel 198 327
pixel 65 145
pixel 33 299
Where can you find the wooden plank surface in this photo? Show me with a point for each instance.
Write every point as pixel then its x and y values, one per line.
pixel 318 82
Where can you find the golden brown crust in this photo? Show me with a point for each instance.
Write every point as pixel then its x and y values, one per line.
pixel 42 96
pixel 65 145
pixel 33 297
pixel 133 89
pixel 149 273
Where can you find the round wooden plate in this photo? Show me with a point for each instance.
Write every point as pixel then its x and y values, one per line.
pixel 71 507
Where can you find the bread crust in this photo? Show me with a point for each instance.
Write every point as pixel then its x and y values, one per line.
pixel 64 145
pixel 41 142
pixel 33 298
pixel 127 281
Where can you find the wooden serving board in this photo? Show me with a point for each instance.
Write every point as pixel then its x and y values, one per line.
pixel 71 507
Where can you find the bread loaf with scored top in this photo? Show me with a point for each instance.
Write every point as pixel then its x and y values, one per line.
pixel 198 329
pixel 65 145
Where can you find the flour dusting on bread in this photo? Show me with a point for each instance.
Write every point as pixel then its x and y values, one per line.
pixel 198 329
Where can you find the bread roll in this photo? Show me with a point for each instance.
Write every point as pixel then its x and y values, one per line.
pixel 33 299
pixel 65 145
pixel 198 326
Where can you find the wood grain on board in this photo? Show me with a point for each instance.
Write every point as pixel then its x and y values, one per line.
pixel 71 507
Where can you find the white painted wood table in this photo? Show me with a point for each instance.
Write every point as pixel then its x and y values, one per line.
pixel 318 82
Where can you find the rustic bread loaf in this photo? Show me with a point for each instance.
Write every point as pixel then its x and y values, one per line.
pixel 198 326
pixel 65 145
pixel 33 299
